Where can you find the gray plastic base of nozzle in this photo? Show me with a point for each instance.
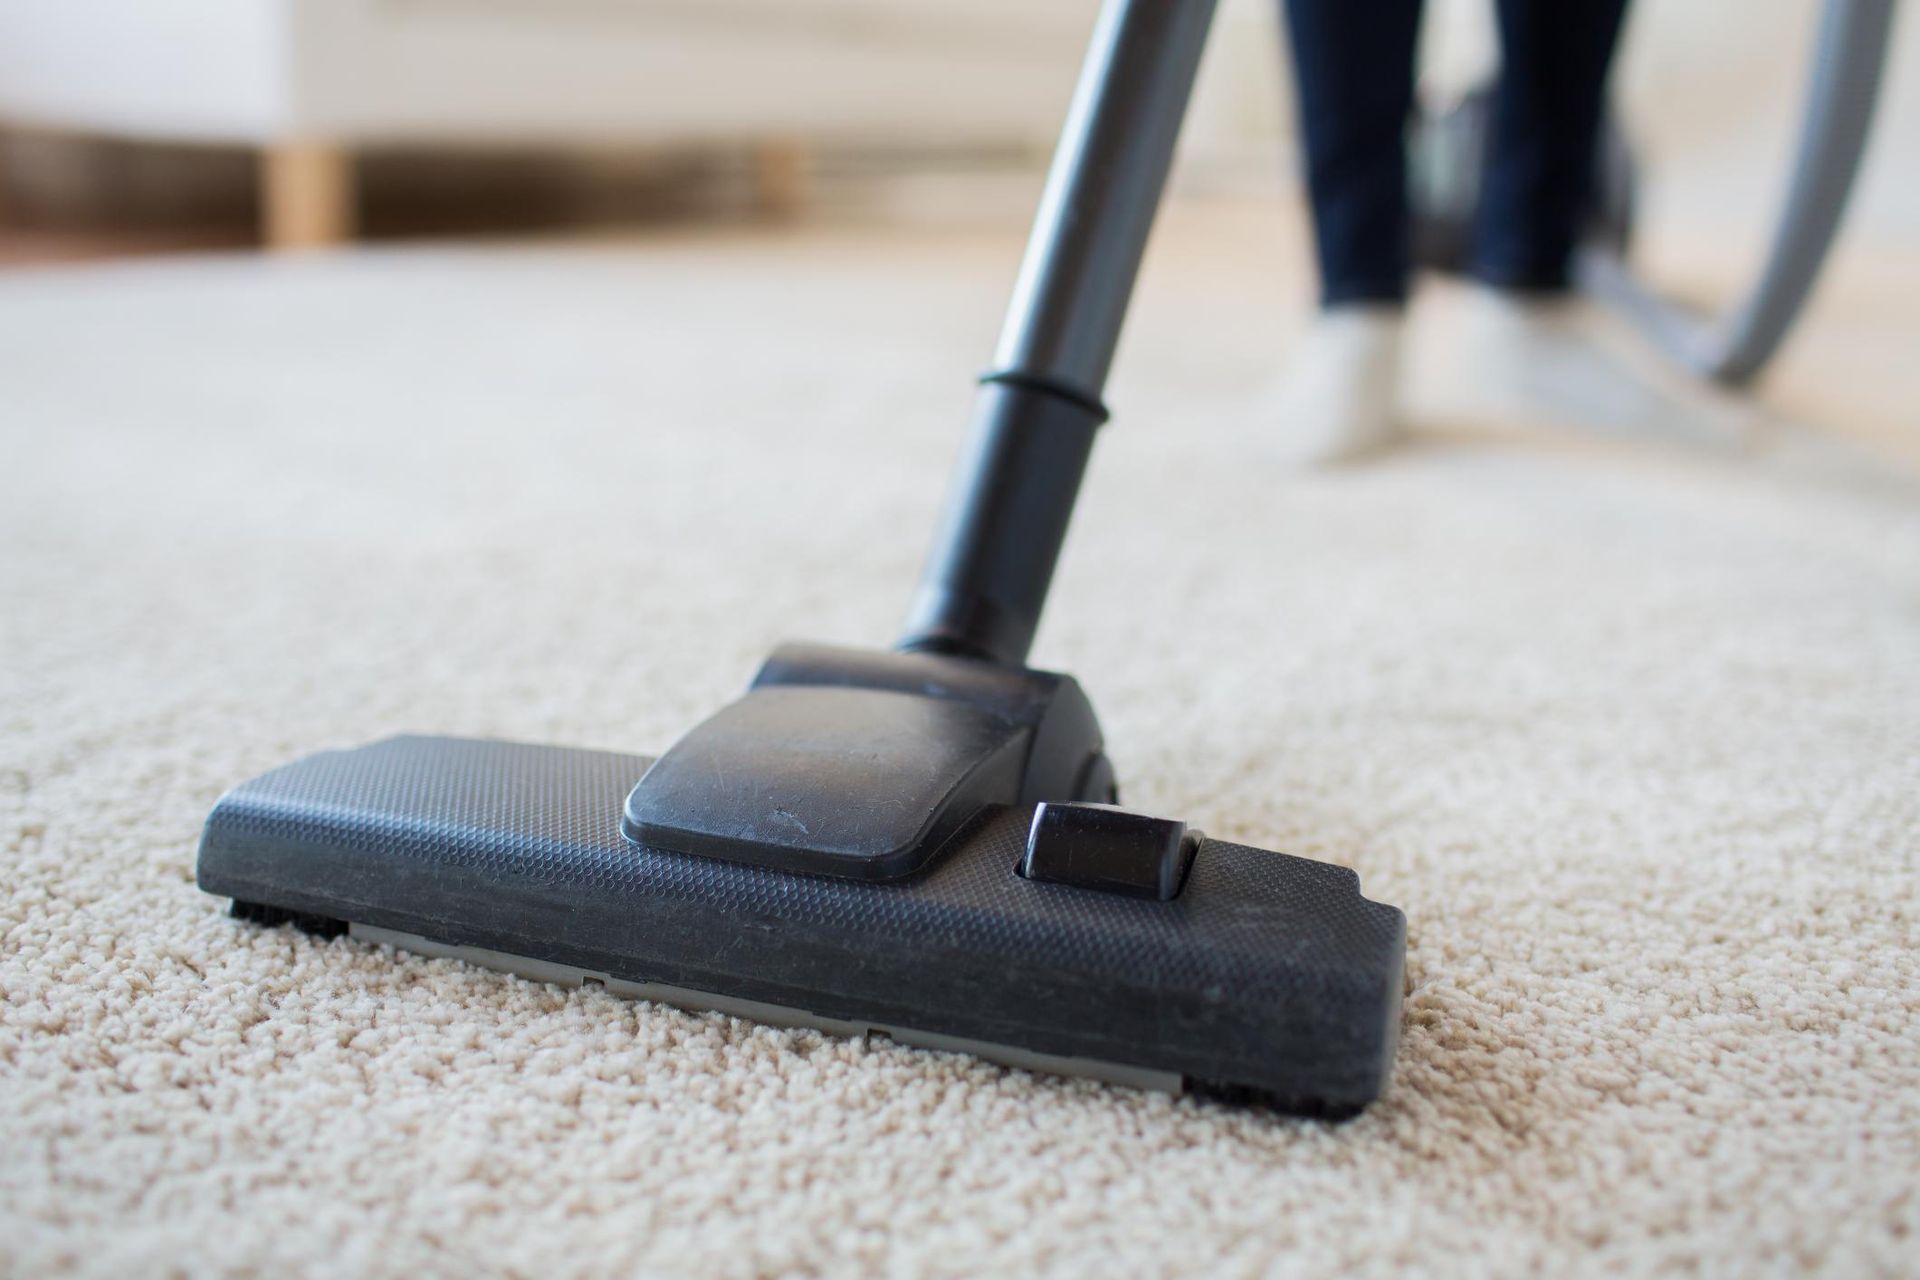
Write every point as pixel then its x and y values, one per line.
pixel 774 1015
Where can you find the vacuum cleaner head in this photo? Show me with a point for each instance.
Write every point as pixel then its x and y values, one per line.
pixel 921 843
pixel 782 863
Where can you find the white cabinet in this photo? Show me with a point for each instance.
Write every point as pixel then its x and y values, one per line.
pixel 309 80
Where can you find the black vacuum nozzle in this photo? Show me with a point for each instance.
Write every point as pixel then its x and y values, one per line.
pixel 1265 976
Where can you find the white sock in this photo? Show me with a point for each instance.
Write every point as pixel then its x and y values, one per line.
pixel 1509 361
pixel 1340 400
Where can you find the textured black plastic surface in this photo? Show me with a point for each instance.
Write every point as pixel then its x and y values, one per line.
pixel 1268 974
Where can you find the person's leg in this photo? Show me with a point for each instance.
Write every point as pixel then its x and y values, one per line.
pixel 1525 354
pixel 1353 68
pixel 1546 123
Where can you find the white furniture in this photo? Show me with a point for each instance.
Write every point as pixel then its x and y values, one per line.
pixel 308 81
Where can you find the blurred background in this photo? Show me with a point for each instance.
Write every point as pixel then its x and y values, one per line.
pixel 187 125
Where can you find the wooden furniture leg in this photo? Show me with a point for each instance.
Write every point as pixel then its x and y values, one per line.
pixel 306 195
pixel 781 170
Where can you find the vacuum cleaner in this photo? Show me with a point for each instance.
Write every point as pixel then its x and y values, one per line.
pixel 1446 156
pixel 923 843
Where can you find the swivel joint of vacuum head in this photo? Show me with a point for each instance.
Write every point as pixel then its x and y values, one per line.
pixel 851 763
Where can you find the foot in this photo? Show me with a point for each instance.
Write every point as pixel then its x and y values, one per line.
pixel 1515 361
pixel 1340 401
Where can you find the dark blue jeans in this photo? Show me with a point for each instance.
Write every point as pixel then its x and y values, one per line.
pixel 1354 66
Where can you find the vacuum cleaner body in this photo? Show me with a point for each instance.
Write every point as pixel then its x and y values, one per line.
pixel 1446 166
pixel 924 842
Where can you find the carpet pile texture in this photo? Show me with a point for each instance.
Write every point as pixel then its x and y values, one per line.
pixel 1628 725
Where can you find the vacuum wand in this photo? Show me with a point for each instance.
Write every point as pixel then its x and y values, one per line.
pixel 1036 413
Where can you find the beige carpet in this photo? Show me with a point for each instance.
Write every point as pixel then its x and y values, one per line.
pixel 1631 730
